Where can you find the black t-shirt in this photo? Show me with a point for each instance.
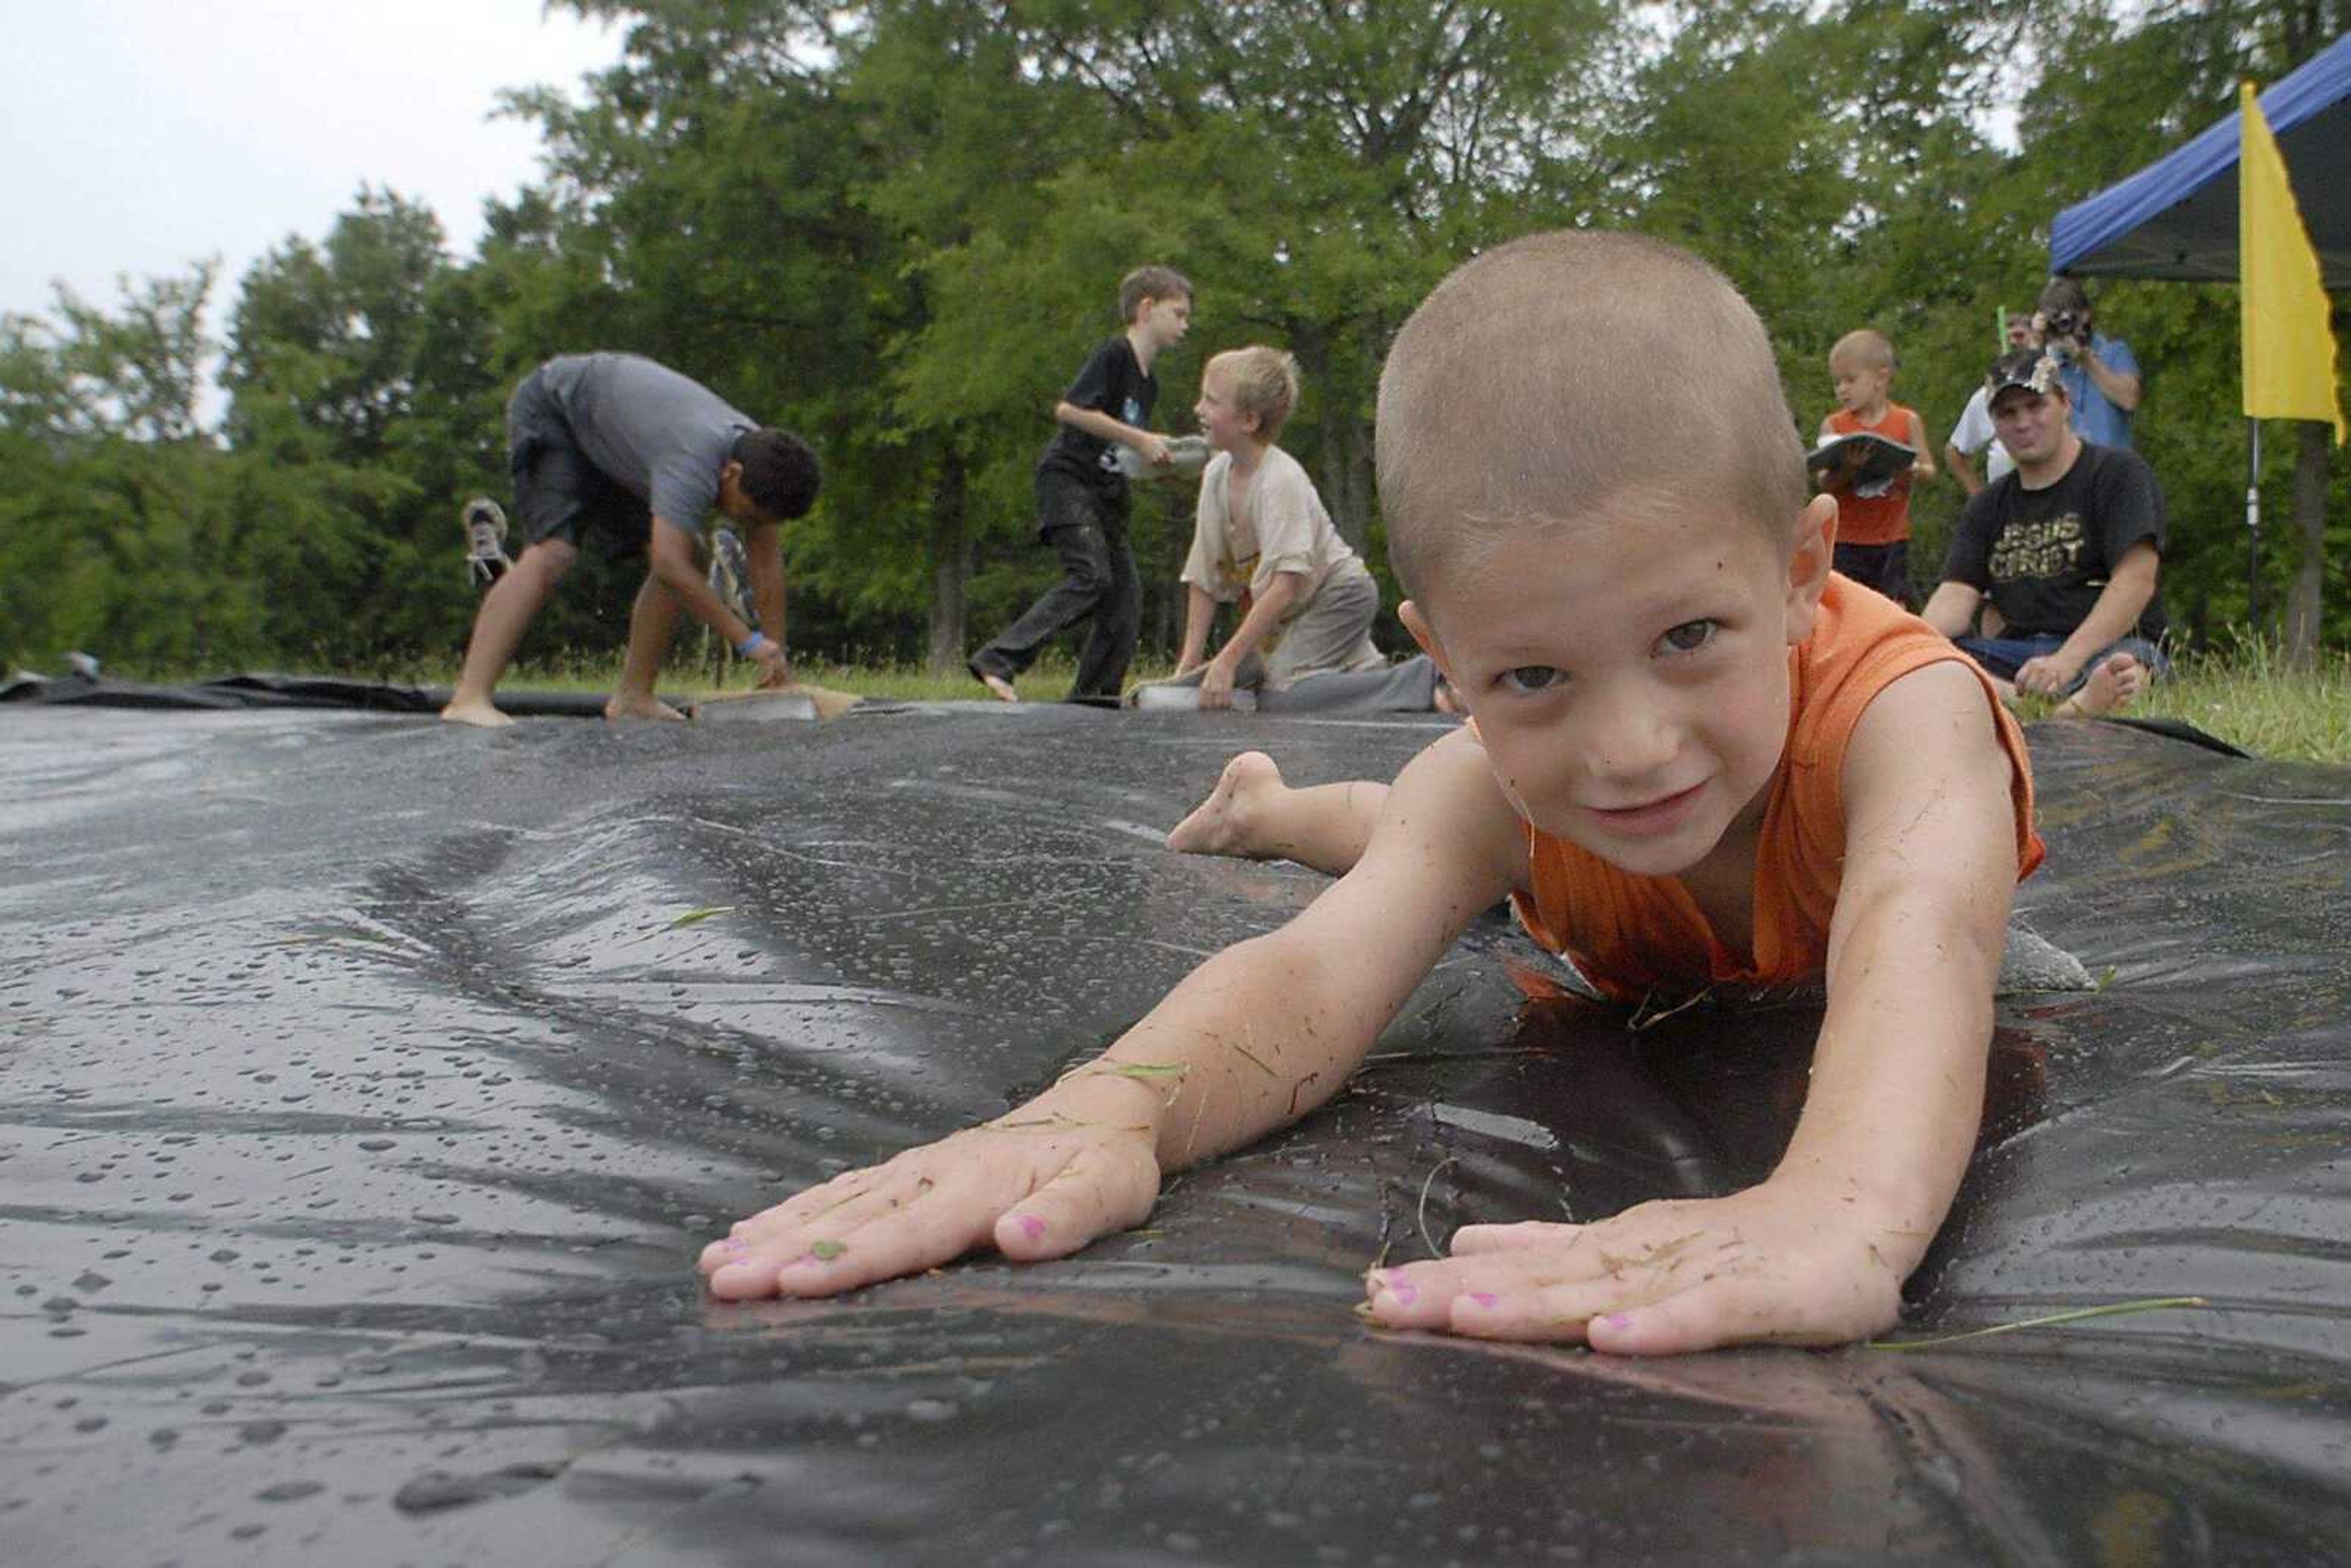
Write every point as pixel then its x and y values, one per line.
pixel 1111 383
pixel 2043 556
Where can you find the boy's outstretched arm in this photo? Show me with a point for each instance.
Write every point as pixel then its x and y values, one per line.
pixel 1104 427
pixel 1263 1033
pixel 1817 1253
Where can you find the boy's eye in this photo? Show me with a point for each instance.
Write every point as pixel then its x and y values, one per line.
pixel 1689 636
pixel 1532 677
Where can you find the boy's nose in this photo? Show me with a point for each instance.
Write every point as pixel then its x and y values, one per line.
pixel 1631 737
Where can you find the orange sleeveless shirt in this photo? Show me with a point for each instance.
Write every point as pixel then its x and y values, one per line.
pixel 1875 519
pixel 1634 935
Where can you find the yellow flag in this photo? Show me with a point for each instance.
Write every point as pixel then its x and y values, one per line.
pixel 2289 348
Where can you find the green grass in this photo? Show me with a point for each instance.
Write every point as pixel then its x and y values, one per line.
pixel 2252 698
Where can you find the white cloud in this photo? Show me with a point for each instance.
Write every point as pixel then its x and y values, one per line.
pixel 143 135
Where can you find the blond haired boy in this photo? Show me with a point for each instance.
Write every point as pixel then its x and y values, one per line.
pixel 1262 537
pixel 1680 766
pixel 1872 525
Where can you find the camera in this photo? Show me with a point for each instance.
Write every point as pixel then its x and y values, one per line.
pixel 2068 330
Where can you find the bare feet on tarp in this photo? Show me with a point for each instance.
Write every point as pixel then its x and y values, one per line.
pixel 2112 684
pixel 480 715
pixel 1228 821
pixel 619 708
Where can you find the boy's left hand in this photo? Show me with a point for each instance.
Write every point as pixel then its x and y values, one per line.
pixel 1663 1278
pixel 775 668
pixel 1217 686
pixel 2045 676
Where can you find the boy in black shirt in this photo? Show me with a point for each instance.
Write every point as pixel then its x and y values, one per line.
pixel 2066 549
pixel 1083 502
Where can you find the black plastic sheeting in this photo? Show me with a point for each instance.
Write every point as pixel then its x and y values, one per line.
pixel 263 690
pixel 369 1090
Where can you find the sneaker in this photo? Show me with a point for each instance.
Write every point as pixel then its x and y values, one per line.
pixel 485 540
pixel 730 576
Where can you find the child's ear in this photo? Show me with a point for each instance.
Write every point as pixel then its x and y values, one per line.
pixel 1809 561
pixel 1425 635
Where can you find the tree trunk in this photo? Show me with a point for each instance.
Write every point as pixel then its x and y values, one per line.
pixel 950 566
pixel 2303 599
pixel 1347 484
pixel 1343 466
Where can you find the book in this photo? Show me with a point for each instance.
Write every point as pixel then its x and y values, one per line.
pixel 1883 459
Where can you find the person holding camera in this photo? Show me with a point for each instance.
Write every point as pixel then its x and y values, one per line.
pixel 2100 375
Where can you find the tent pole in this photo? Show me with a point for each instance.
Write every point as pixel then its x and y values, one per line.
pixel 2253 527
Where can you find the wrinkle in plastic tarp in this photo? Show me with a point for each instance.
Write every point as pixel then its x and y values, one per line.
pixel 369 1092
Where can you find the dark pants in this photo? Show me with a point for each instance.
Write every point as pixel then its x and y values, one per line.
pixel 2003 656
pixel 1088 529
pixel 1886 568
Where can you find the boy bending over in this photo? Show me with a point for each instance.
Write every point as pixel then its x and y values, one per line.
pixel 1698 757
pixel 636 455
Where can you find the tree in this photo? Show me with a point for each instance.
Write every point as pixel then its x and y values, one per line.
pixel 365 409
pixel 115 529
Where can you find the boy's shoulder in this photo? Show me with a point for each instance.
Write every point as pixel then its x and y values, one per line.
pixel 1116 347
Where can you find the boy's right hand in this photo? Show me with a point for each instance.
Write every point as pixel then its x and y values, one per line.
pixel 1034 1184
pixel 1156 450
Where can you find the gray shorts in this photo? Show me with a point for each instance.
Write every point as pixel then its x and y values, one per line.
pixel 1332 635
pixel 558 493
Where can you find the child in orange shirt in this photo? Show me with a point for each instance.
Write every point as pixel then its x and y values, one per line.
pixel 1873 529
pixel 1679 765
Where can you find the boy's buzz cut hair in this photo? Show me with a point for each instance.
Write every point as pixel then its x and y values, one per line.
pixel 1150 283
pixel 1866 347
pixel 1263 382
pixel 1563 369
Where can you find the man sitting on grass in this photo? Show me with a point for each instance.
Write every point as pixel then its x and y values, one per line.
pixel 2066 549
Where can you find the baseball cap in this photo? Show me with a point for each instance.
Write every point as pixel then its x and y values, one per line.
pixel 2027 368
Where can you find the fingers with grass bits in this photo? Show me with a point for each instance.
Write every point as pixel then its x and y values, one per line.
pixel 1034 1185
pixel 1661 1278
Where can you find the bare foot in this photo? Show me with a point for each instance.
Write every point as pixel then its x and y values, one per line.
pixel 480 715
pixel 618 708
pixel 2117 679
pixel 997 686
pixel 1226 824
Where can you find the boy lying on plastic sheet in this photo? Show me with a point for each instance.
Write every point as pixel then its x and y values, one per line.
pixel 1698 756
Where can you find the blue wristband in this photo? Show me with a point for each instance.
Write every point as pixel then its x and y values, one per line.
pixel 749 647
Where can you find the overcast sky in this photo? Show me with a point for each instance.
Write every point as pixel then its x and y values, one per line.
pixel 139 136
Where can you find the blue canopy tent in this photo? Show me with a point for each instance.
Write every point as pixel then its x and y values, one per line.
pixel 2177 219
